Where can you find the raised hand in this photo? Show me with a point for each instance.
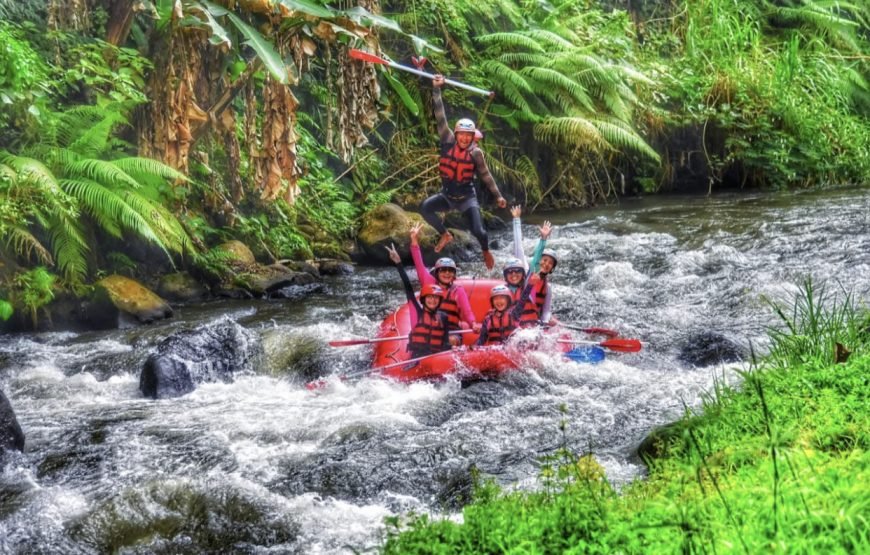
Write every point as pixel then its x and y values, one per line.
pixel 546 229
pixel 415 233
pixel 516 211
pixel 394 254
pixel 438 81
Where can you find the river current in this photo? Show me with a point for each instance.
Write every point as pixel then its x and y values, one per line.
pixel 265 465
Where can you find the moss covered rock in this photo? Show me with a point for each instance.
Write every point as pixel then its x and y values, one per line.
pixel 240 252
pixel 388 224
pixel 181 287
pixel 130 297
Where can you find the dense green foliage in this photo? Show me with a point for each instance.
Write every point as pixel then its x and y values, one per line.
pixel 592 101
pixel 780 463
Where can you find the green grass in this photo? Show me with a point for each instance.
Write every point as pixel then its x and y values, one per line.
pixel 778 464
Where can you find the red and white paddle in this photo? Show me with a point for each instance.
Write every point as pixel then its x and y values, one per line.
pixel 351 342
pixel 372 58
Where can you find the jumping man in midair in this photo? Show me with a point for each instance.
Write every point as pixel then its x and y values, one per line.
pixel 460 160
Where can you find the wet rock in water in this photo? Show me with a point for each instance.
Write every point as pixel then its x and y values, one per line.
pixel 332 267
pixel 708 348
pixel 11 435
pixel 389 224
pixel 296 292
pixel 179 516
pixel 181 287
pixel 115 297
pixel 211 353
pixel 287 353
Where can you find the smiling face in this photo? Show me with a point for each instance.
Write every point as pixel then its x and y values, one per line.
pixel 463 139
pixel 547 264
pixel 432 302
pixel 445 276
pixel 500 303
pixel 514 276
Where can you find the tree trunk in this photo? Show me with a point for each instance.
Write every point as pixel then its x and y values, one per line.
pixel 121 14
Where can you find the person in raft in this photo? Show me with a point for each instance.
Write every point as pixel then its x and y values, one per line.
pixel 460 160
pixel 517 268
pixel 500 322
pixel 455 303
pixel 430 333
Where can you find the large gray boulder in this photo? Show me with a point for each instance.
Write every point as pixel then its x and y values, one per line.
pixel 211 353
pixel 11 435
pixel 388 224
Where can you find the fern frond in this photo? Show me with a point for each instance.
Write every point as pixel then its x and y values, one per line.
pixel 572 131
pixel 69 246
pixel 101 171
pixel 622 137
pixel 163 225
pixel 138 166
pixel 24 244
pixel 508 40
pixel 524 58
pixel 32 171
pixel 109 209
pixel 552 78
pixel 549 37
pixel 94 141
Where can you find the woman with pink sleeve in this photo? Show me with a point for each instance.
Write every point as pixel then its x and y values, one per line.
pixel 455 303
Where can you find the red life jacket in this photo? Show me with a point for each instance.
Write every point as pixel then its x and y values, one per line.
pixel 428 335
pixel 456 167
pixel 530 315
pixel 450 307
pixel 499 327
pixel 541 296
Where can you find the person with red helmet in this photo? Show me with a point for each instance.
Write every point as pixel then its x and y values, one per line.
pixel 500 322
pixel 460 160
pixel 455 303
pixel 430 332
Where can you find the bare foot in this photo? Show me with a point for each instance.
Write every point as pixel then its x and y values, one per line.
pixel 446 237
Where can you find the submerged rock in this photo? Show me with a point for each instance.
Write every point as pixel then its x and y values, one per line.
pixel 115 296
pixel 708 348
pixel 11 435
pixel 177 516
pixel 211 353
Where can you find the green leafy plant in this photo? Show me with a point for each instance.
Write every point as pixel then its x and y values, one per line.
pixel 33 289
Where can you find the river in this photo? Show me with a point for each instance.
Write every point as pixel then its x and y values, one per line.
pixel 264 465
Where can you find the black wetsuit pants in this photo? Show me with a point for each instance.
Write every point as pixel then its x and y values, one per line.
pixel 468 206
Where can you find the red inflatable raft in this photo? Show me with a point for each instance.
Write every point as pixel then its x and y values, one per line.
pixel 467 360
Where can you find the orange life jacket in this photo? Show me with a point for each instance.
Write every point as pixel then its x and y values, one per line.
pixel 456 167
pixel 428 335
pixel 499 327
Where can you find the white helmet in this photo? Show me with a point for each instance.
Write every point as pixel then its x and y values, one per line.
pixel 465 125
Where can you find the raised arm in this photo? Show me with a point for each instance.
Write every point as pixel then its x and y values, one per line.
pixel 486 177
pixel 545 229
pixel 444 132
pixel 519 254
pixel 417 256
pixel 406 281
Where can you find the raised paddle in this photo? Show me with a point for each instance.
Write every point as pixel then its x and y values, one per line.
pixel 368 57
pixel 618 345
pixel 350 342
